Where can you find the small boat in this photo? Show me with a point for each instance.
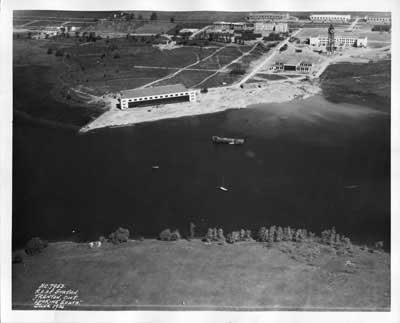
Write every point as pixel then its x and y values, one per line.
pixel 222 187
pixel 229 141
pixel 155 167
pixel 351 186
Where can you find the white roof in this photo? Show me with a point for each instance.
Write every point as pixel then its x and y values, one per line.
pixel 158 90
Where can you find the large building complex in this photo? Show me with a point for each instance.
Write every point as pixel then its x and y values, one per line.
pixel 378 20
pixel 340 41
pixel 267 16
pixel 156 96
pixel 325 19
pixel 222 25
pixel 263 27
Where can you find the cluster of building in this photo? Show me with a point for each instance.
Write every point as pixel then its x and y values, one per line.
pixel 339 41
pixel 51 31
pixel 329 19
pixel 154 96
pixel 257 25
pixel 301 67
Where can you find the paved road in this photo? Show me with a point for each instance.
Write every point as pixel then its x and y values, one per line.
pixel 198 32
pixel 257 68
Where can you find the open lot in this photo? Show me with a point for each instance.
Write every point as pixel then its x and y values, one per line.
pixel 220 59
pixel 189 78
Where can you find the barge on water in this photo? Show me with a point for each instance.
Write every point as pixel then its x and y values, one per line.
pixel 229 141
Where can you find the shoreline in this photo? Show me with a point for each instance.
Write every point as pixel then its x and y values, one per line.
pixel 216 100
pixel 224 98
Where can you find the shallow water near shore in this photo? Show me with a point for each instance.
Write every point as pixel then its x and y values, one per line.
pixel 305 163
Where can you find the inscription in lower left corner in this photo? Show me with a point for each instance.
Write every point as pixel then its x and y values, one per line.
pixel 55 296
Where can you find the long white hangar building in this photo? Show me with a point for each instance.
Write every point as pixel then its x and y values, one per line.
pixel 156 96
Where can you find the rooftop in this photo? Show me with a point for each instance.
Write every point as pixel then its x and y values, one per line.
pixel 165 89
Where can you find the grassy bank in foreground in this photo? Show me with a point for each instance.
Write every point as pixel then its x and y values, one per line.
pixel 187 274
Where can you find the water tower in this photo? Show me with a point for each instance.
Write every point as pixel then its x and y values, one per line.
pixel 331 39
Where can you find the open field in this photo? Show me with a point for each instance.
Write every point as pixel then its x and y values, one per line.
pixel 221 79
pixel 222 58
pixel 194 275
pixel 189 78
pixel 155 27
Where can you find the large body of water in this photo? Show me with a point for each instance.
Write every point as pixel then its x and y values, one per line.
pixel 307 163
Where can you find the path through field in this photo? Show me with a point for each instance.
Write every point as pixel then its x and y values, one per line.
pixel 181 69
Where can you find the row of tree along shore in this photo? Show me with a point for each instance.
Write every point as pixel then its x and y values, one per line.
pixel 269 236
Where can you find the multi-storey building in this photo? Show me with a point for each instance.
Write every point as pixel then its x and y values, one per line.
pixel 267 16
pixel 327 19
pixel 340 41
pixel 156 96
pixel 379 20
pixel 261 27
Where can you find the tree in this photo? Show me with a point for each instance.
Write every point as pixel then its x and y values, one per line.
pixel 153 16
pixel 140 17
pixel 172 19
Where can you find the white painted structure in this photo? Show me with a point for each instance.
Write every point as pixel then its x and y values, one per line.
pixel 330 18
pixel 260 27
pixel 379 20
pixel 267 16
pixel 223 25
pixel 298 67
pixel 156 96
pixel 340 41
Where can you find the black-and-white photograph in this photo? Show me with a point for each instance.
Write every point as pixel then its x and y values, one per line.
pixel 201 160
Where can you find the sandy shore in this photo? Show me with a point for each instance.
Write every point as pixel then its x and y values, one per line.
pixel 233 96
pixel 216 100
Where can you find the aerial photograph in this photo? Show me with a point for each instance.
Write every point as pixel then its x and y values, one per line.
pixel 201 160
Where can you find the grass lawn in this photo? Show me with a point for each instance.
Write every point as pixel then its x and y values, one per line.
pixel 187 78
pixel 188 274
pixel 220 78
pixel 220 59
pixel 271 77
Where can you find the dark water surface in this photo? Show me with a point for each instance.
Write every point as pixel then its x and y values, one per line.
pixel 307 163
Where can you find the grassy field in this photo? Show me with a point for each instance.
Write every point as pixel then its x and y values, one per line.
pixel 187 274
pixel 188 78
pixel 221 59
pixel 221 79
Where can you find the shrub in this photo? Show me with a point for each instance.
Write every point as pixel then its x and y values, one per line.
pixel 102 239
pixel 35 246
pixel 59 52
pixel 49 51
pixel 192 226
pixel 175 235
pixel 209 235
pixel 220 235
pixel 165 235
pixel 119 236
